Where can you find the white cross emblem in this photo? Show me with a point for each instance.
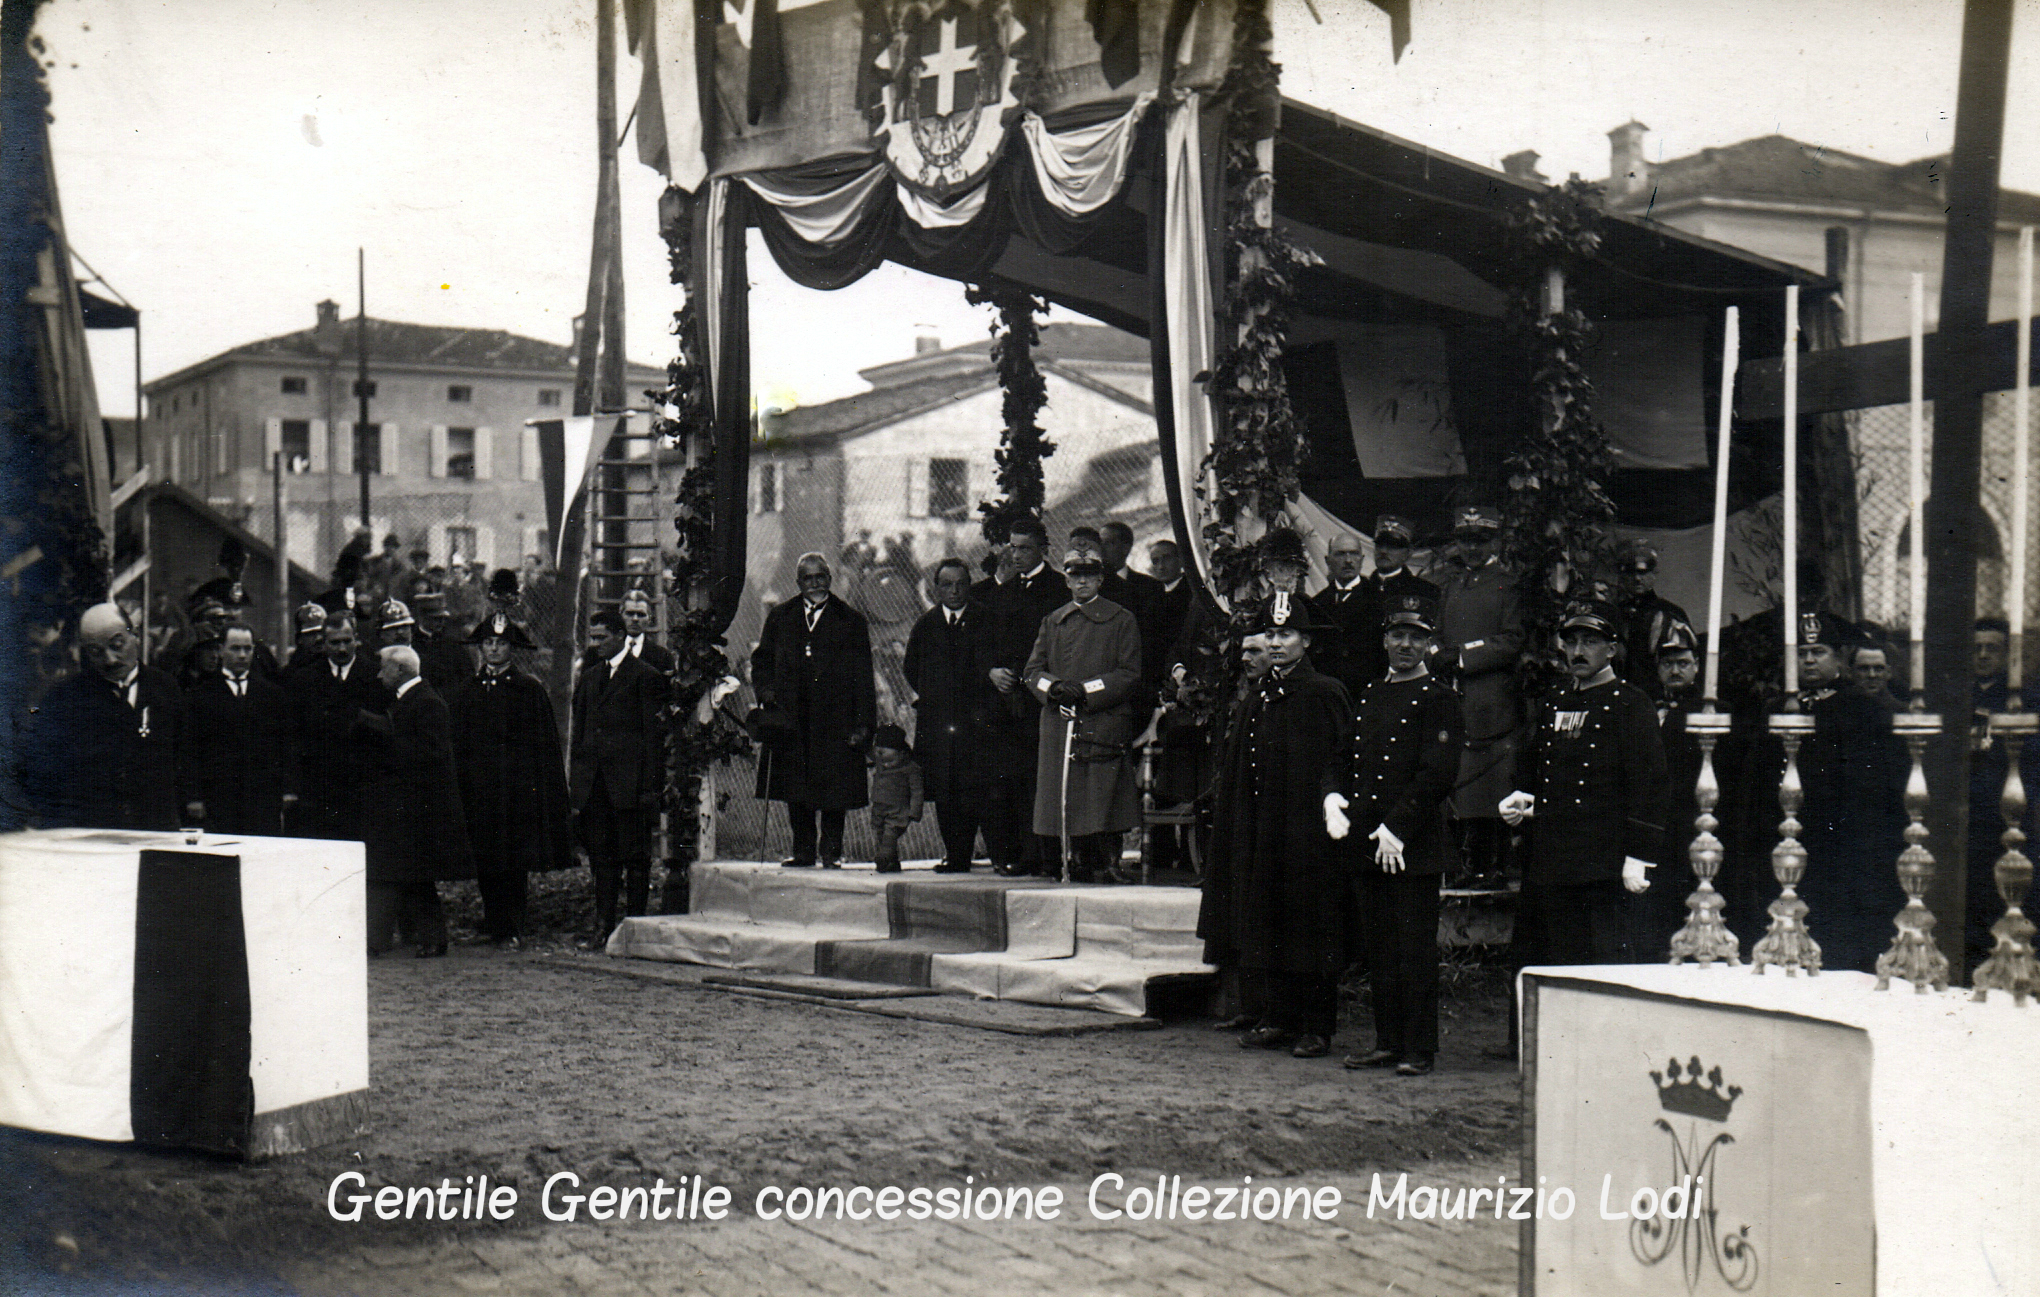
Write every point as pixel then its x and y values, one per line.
pixel 945 64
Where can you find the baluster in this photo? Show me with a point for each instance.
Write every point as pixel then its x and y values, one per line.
pixel 2011 966
pixel 1705 937
pixel 1787 943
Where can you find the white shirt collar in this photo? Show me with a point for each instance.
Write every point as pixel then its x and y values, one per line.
pixel 409 685
pixel 340 671
pixel 616 663
pixel 1029 576
pixel 1171 585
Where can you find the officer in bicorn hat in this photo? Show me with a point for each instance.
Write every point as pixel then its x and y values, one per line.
pixel 1271 907
pixel 513 782
pixel 1406 745
pixel 1480 639
pixel 1649 616
pixel 1593 790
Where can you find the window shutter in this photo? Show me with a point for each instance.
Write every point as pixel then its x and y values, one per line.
pixel 435 463
pixel 485 454
pixel 917 488
pixel 435 540
pixel 527 456
pixel 272 441
pixel 534 543
pixel 319 446
pixel 485 546
pixel 390 465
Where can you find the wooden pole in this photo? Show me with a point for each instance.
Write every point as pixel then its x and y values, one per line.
pixel 2022 466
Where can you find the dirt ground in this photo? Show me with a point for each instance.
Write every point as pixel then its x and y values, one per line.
pixel 517 1065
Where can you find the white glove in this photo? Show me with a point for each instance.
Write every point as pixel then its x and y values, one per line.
pixel 1517 807
pixel 1634 874
pixel 1336 822
pixel 1388 849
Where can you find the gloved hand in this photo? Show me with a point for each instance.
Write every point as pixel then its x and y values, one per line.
pixel 1635 875
pixel 1336 823
pixel 1388 849
pixel 1517 807
pixel 1066 693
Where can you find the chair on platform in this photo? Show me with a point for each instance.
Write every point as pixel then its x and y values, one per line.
pixel 1153 816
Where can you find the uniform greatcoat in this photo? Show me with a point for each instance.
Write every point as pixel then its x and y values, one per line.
pixel 1480 619
pixel 513 786
pixel 822 677
pixel 1096 646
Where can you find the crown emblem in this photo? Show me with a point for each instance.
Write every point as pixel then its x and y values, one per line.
pixel 1279 614
pixel 500 623
pixel 1809 628
pixel 1411 603
pixel 1696 1095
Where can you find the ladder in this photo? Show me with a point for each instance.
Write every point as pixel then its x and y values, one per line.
pixel 629 503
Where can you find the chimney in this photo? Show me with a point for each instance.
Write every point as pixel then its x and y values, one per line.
pixel 326 333
pixel 1628 173
pixel 1523 166
pixel 926 343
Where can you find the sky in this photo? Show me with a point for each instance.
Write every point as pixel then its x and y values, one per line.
pixel 220 161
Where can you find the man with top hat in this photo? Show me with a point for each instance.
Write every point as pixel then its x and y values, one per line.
pixel 513 785
pixel 241 756
pixel 1592 788
pixel 1648 615
pixel 953 701
pixel 814 662
pixel 1016 608
pixel 333 755
pixel 639 635
pixel 414 829
pixel 1406 745
pixel 616 768
pixel 446 663
pixel 1085 672
pixel 104 747
pixel 1272 909
pixel 1480 639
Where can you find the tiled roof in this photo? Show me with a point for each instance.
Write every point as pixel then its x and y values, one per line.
pixel 1778 167
pixel 394 342
pixel 880 405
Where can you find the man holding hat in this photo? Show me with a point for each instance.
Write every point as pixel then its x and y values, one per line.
pixel 1084 670
pixel 1406 746
pixel 1648 615
pixel 1271 907
pixel 513 785
pixel 105 746
pixel 1593 789
pixel 1480 638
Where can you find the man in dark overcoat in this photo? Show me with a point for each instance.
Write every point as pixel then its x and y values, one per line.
pixel 1648 615
pixel 1017 607
pixel 616 769
pixel 416 832
pixel 334 754
pixel 1275 911
pixel 1405 760
pixel 513 785
pixel 953 700
pixel 241 755
pixel 1085 670
pixel 814 663
pixel 1480 637
pixel 1662 910
pixel 106 746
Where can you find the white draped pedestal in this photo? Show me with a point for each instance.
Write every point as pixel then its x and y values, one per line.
pixel 211 995
pixel 1834 1139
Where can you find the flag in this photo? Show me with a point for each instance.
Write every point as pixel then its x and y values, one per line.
pixel 669 129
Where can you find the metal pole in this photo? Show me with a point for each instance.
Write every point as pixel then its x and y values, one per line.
pixel 361 375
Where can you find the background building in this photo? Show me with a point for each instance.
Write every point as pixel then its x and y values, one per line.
pixel 454 471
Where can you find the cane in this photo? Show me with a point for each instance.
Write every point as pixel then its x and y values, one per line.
pixel 1069 748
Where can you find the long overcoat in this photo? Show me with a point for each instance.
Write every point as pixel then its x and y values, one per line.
pixel 1853 770
pixel 513 785
pixel 954 703
pixel 1274 895
pixel 822 678
pixel 414 828
pixel 1480 619
pixel 1095 646
pixel 618 734
pixel 241 757
pixel 91 760
pixel 335 756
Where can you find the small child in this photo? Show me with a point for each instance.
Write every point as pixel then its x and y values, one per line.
pixel 895 794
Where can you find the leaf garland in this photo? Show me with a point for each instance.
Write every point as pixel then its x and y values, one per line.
pixel 1556 511
pixel 693 633
pixel 1022 443
pixel 1258 444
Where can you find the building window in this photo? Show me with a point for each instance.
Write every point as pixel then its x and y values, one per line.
pixel 293 387
pixel 368 448
pixel 460 393
pixel 768 488
pixel 460 453
pixel 173 403
pixel 548 396
pixel 460 545
pixel 296 444
pixel 949 489
pixel 364 389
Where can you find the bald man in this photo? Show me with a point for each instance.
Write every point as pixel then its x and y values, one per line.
pixel 106 745
pixel 415 832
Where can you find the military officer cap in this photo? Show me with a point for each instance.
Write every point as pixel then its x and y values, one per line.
pixel 1285 611
pixel 1391 530
pixel 1476 522
pixel 428 601
pixel 310 617
pixel 1281 545
pixel 1419 611
pixel 395 614
pixel 1678 638
pixel 1592 614
pixel 223 590
pixel 1082 562
pixel 1639 556
pixel 1837 633
pixel 201 606
pixel 499 625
